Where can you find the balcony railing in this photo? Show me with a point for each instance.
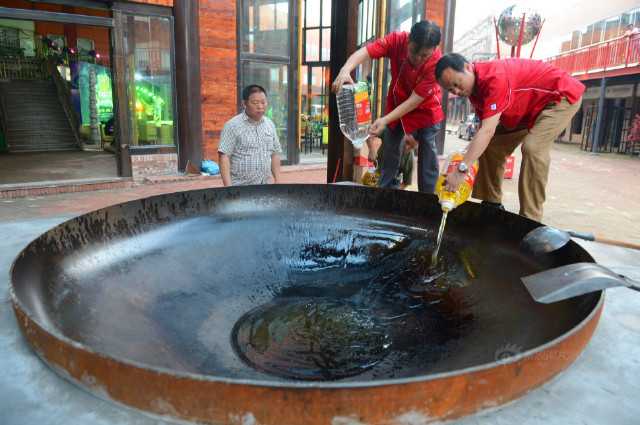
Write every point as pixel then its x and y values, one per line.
pixel 622 52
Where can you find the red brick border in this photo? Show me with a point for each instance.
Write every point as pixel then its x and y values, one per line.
pixel 54 189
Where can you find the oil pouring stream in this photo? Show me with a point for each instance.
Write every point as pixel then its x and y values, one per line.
pixel 450 200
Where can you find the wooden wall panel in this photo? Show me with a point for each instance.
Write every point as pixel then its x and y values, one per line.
pixel 435 11
pixel 16 4
pixel 168 3
pixel 219 69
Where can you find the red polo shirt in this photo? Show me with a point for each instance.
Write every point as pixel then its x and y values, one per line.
pixel 406 78
pixel 520 89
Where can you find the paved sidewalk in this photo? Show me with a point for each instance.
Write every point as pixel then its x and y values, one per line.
pixel 596 194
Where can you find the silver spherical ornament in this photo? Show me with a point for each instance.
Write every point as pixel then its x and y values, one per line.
pixel 510 22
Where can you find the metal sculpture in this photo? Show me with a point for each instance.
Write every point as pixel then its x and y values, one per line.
pixel 516 26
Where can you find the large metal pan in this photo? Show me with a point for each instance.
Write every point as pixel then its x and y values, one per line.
pixel 137 303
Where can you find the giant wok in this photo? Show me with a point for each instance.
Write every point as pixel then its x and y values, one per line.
pixel 306 304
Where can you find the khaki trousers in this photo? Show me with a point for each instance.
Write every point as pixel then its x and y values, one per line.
pixel 536 157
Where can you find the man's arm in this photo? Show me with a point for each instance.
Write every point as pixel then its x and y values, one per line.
pixel 275 167
pixel 344 76
pixel 225 168
pixel 475 148
pixel 373 150
pixel 403 109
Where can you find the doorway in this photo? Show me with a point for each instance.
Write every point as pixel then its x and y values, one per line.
pixel 63 60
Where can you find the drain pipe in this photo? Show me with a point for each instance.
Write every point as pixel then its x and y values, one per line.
pixel 596 137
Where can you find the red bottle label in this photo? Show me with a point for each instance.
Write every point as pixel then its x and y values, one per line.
pixel 363 107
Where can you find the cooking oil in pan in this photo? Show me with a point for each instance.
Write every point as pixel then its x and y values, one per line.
pixel 310 338
pixel 434 256
pixel 371 283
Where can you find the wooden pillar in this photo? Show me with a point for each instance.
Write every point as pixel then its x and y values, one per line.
pixel 188 82
pixel 120 107
pixel 344 41
pixel 446 47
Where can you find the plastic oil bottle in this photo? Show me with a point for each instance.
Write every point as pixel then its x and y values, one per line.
pixel 371 177
pixel 450 200
pixel 354 111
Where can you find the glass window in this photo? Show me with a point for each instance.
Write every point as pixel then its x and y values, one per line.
pixel 60 40
pixel 597 32
pixel 612 28
pixel 317 30
pixel 313 14
pixel 399 12
pixel 587 36
pixel 575 40
pixel 266 27
pixel 315 68
pixel 326 13
pixel 371 19
pixel 401 15
pixel 312 44
pixel 273 77
pixel 265 31
pixel 84 46
pixel 9 37
pixel 147 51
pixel 366 21
pixel 326 44
pixel 626 19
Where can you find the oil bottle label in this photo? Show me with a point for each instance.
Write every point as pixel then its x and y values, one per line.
pixel 363 107
pixel 470 177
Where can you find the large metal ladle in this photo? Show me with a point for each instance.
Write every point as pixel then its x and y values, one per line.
pixel 546 239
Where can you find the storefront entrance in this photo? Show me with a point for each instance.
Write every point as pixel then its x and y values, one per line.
pixel 119 109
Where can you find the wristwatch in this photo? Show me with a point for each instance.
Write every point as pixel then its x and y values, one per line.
pixel 463 168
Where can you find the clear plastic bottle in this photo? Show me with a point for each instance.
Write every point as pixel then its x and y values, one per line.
pixel 450 200
pixel 354 111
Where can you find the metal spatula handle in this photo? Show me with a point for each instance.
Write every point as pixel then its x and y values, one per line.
pixel 576 279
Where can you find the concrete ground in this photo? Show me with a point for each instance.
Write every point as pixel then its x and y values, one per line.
pixel 595 194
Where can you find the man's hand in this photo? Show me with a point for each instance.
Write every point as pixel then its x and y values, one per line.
pixel 352 63
pixel 372 156
pixel 453 181
pixel 377 126
pixel 343 78
pixel 225 168
pixel 373 149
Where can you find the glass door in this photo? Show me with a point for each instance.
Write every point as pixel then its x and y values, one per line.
pixel 401 15
pixel 267 54
pixel 148 64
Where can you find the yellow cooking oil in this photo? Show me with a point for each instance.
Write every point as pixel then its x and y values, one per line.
pixel 370 177
pixel 450 200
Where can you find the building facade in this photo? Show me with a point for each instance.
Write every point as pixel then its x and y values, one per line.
pixel 587 39
pixel 170 72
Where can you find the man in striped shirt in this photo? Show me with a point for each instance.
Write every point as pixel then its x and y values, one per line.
pixel 249 148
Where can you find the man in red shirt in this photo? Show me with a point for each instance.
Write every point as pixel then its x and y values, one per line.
pixel 413 103
pixel 533 102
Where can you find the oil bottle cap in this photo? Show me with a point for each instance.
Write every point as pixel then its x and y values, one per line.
pixel 447 204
